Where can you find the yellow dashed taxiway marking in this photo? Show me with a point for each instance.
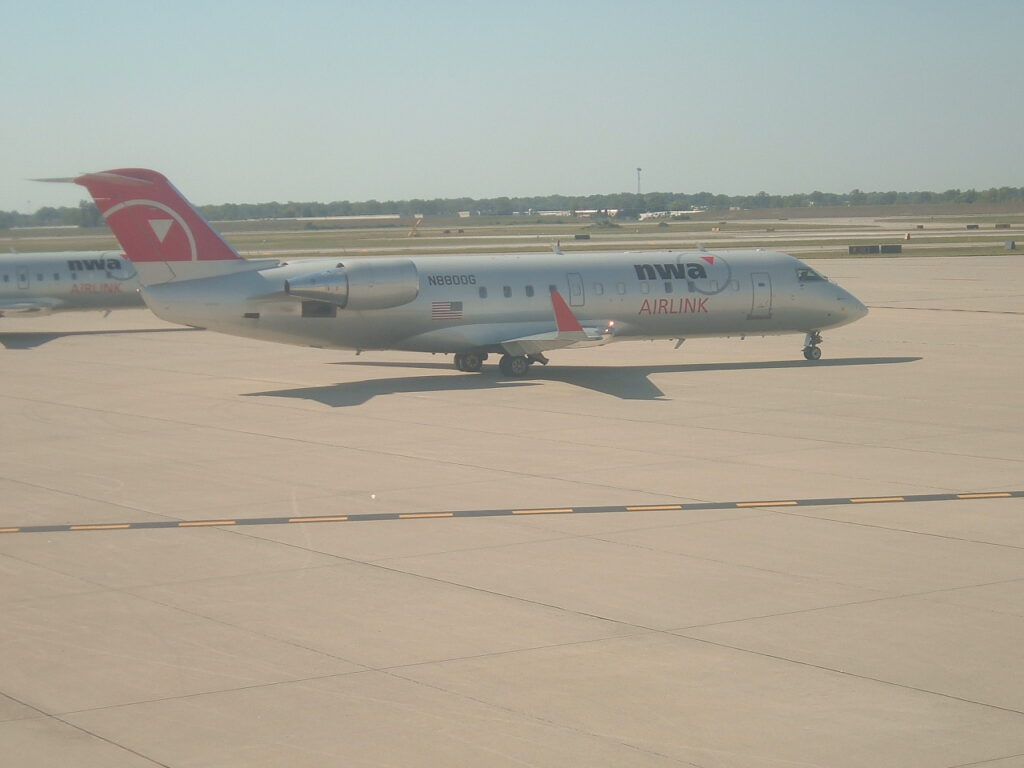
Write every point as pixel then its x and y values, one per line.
pixel 687 507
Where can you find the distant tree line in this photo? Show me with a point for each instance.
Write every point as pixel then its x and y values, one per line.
pixel 85 215
pixel 628 204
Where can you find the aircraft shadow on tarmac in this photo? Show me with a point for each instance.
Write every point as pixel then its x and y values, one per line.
pixel 623 382
pixel 33 339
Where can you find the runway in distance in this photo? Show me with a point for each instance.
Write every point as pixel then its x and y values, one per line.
pixel 518 306
pixel 35 284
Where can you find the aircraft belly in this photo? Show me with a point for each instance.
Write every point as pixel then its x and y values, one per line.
pixel 118 297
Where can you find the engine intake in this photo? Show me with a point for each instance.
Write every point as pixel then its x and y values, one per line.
pixel 371 284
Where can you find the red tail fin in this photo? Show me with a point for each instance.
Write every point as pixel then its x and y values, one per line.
pixel 152 220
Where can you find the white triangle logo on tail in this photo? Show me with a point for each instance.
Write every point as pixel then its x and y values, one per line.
pixel 160 228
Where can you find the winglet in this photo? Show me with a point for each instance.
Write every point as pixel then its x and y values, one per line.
pixel 565 320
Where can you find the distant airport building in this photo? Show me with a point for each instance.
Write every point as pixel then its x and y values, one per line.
pixel 667 214
pixel 364 217
pixel 582 213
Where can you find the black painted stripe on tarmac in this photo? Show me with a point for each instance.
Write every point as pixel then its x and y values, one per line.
pixel 689 507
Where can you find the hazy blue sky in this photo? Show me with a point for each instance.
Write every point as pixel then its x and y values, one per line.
pixel 257 101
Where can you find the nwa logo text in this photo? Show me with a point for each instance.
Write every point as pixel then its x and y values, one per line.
pixel 708 275
pixel 89 265
pixel 670 272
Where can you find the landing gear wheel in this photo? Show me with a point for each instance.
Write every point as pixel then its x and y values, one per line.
pixel 513 366
pixel 811 342
pixel 460 364
pixel 472 362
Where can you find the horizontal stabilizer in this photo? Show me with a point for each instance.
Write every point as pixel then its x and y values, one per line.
pixel 104 176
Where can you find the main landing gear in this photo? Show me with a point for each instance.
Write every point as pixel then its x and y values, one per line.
pixel 811 349
pixel 512 366
pixel 515 366
pixel 470 362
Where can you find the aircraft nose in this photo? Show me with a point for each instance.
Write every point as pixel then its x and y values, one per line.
pixel 857 307
pixel 852 307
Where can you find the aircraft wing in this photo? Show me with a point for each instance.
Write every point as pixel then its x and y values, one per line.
pixel 568 333
pixel 28 306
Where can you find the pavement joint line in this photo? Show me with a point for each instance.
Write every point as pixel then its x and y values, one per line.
pixel 847 673
pixel 466 513
pixel 950 309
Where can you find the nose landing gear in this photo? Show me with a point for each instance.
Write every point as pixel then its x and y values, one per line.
pixel 811 349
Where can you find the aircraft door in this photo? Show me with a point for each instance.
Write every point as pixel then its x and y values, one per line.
pixel 761 307
pixel 576 295
pixel 22 271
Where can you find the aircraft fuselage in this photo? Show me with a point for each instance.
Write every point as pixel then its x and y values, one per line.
pixel 462 303
pixel 41 283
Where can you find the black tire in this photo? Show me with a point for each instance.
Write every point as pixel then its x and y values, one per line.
pixel 460 362
pixel 472 362
pixel 518 365
pixel 513 366
pixel 812 353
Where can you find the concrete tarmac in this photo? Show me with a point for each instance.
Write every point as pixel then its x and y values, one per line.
pixel 869 633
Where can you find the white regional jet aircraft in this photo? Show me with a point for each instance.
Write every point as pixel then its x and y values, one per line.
pixel 41 283
pixel 517 306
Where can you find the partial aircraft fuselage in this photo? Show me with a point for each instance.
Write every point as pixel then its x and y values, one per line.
pixel 41 283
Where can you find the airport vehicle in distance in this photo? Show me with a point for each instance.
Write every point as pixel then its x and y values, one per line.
pixel 518 306
pixel 42 283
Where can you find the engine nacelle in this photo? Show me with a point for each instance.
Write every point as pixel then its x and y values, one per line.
pixel 370 284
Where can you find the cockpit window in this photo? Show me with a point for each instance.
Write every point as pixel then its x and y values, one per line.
pixel 808 275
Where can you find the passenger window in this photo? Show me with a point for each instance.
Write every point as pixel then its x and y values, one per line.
pixel 668 287
pixel 39 277
pixel 483 292
pixel 599 289
pixel 645 287
pixel 620 288
pixel 507 291
pixel 56 276
pixel 529 290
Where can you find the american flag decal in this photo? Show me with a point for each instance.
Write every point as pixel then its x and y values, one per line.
pixel 446 310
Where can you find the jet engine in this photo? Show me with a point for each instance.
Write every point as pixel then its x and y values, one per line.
pixel 371 284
